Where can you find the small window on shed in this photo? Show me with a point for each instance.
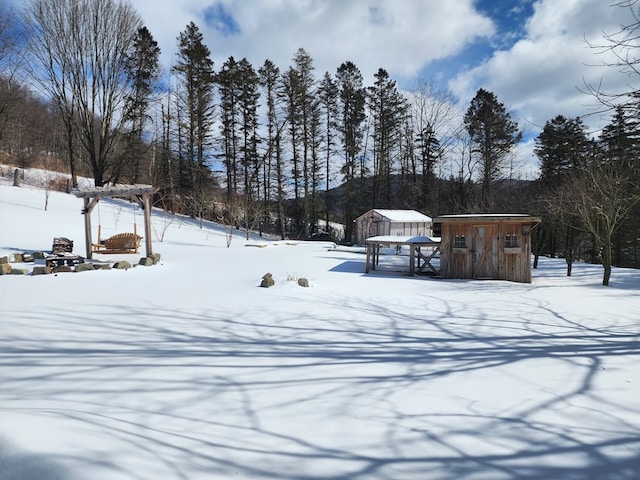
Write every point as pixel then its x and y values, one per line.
pixel 459 241
pixel 511 240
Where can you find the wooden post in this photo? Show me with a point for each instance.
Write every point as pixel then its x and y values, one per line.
pixel 147 223
pixel 412 259
pixel 89 204
pixel 366 268
pixel 87 229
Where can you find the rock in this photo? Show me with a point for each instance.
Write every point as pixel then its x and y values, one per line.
pixel 27 258
pixel 17 257
pixel 41 270
pixel 4 260
pixel 62 269
pixel 267 281
pixel 39 255
pixel 146 261
pixel 102 266
pixel 155 257
pixel 122 265
pixel 84 267
pixel 303 282
pixel 5 269
pixel 19 271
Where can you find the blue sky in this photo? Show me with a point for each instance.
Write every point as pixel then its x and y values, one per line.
pixel 509 18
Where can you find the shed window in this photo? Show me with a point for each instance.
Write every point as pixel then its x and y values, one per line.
pixel 459 241
pixel 511 240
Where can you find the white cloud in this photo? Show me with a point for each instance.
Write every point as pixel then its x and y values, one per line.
pixel 544 74
pixel 401 36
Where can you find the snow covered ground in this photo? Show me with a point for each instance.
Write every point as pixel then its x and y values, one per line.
pixel 189 370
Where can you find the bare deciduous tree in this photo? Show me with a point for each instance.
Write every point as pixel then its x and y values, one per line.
pixel 77 55
pixel 602 195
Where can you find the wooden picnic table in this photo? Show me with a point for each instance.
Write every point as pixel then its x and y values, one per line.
pixel 419 260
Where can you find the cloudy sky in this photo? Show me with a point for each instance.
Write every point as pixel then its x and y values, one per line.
pixel 533 54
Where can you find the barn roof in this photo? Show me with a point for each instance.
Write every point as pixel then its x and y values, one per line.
pixel 406 216
pixel 404 240
pixel 490 217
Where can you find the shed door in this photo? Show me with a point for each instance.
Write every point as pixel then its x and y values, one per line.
pixel 485 251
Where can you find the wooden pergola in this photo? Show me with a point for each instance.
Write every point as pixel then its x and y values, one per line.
pixel 91 196
pixel 418 259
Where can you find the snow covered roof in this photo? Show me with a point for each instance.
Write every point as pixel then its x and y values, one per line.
pixel 114 190
pixel 393 239
pixel 473 217
pixel 399 215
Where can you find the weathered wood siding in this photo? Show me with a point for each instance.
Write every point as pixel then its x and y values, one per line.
pixel 486 249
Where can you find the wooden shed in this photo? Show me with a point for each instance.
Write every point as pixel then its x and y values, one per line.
pixel 381 222
pixel 486 246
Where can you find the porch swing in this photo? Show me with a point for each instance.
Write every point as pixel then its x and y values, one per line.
pixel 119 243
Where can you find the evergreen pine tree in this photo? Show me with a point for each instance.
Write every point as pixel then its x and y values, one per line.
pixel 229 90
pixel 352 96
pixel 248 106
pixel 561 146
pixel 328 103
pixel 142 67
pixel 196 81
pixel 388 110
pixel 494 135
pixel 272 172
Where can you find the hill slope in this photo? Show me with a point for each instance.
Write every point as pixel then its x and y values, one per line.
pixel 188 369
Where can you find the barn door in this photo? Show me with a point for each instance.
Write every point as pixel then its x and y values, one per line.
pixel 485 251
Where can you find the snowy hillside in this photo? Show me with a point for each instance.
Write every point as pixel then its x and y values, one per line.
pixel 189 370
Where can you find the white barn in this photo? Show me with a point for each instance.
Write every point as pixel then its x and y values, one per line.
pixel 377 222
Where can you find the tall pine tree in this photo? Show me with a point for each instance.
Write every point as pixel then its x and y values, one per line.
pixel 388 110
pixel 142 68
pixel 352 95
pixel 494 134
pixel 196 81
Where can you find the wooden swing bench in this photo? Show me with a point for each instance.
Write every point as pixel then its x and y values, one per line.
pixel 119 243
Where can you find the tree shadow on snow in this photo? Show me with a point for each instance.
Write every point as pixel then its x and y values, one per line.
pixel 16 464
pixel 221 392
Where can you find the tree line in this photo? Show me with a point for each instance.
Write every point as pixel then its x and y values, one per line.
pixel 289 150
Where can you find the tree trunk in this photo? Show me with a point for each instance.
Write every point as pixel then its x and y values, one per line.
pixel 606 264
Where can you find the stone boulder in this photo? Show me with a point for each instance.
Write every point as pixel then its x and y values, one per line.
pixel 267 281
pixel 62 269
pixel 303 282
pixel 146 261
pixel 84 267
pixel 19 271
pixel 41 270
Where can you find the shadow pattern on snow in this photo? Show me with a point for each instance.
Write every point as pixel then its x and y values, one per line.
pixel 266 395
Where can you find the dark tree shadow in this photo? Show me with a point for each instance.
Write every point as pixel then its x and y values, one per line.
pixel 208 391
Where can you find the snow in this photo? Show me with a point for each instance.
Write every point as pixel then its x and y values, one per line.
pixel 189 370
pixel 403 239
pixel 402 215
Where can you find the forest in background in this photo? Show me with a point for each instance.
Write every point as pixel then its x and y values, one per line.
pixel 288 150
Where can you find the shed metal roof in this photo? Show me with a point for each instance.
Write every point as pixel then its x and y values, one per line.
pixel 488 217
pixel 406 216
